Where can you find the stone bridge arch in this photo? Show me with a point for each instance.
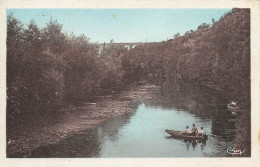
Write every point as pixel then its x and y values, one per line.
pixel 129 45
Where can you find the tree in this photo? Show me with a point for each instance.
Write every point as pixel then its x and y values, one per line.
pixel 176 35
pixel 54 38
pixel 187 32
pixel 203 26
pixel 14 42
pixel 213 21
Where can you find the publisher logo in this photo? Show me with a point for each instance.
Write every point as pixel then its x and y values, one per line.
pixel 234 151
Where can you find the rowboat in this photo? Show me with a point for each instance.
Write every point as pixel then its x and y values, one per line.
pixel 181 135
pixel 233 107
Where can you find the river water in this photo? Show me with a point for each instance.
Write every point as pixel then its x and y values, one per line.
pixel 141 133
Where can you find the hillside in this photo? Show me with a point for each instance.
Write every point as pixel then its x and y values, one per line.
pixel 216 55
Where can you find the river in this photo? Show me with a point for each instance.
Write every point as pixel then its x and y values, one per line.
pixel 141 133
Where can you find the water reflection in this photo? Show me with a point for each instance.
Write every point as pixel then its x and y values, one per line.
pixel 141 133
pixel 80 145
pixel 111 127
pixel 202 102
pixel 84 144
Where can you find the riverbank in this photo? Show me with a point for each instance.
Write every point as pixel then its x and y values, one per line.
pixel 27 137
pixel 243 134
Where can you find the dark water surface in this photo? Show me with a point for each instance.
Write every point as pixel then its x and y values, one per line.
pixel 141 132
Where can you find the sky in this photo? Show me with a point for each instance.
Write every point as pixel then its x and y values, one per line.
pixel 122 25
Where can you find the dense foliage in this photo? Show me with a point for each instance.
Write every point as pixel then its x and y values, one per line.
pixel 47 68
pixel 217 55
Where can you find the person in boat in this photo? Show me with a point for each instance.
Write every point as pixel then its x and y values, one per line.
pixel 194 130
pixel 187 131
pixel 233 103
pixel 201 132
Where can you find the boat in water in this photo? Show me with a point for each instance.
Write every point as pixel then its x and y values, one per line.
pixel 181 135
pixel 233 107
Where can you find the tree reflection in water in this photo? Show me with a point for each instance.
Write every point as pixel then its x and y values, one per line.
pixel 111 127
pixel 146 127
pixel 200 101
pixel 84 144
